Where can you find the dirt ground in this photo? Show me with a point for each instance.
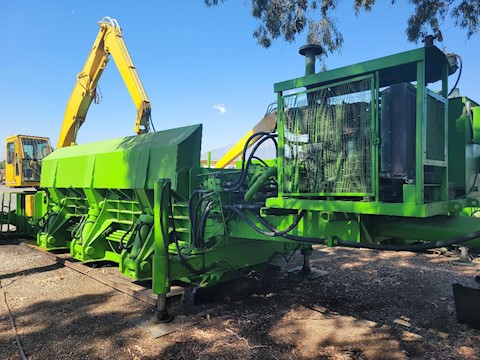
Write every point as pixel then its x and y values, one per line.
pixel 371 305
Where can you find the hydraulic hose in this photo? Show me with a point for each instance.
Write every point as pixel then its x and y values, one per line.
pixel 236 184
pixel 244 153
pixel 261 161
pixel 190 201
pixel 203 222
pixel 459 74
pixel 273 232
pixel 49 220
pixel 245 148
pixel 42 222
pixel 193 222
pixel 413 247
pixel 130 228
pixel 182 258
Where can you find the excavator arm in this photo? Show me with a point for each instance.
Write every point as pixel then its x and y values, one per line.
pixel 109 41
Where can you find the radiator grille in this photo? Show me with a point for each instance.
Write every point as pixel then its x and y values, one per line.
pixel 327 141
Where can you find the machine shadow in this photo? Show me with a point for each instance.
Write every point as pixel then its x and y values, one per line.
pixel 70 328
pixel 369 306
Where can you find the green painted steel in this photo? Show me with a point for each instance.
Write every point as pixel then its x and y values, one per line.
pixel 126 201
pixel 332 121
pixel 370 153
pixel 14 221
pixel 124 163
pixel 101 195
pixel 462 152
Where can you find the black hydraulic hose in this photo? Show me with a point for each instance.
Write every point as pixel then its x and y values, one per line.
pixel 459 74
pixel 260 161
pixel 247 220
pixel 239 181
pixel 314 241
pixel 130 228
pixel 277 232
pixel 318 241
pixel 50 218
pixel 182 258
pixel 74 230
pixel 281 232
pixel 245 148
pixel 244 152
pixel 203 221
pixel 193 222
pixel 260 142
pixel 190 202
pixel 190 205
pixel 272 233
pixel 42 222
pixel 413 247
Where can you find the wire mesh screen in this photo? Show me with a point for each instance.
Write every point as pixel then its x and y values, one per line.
pixel 327 141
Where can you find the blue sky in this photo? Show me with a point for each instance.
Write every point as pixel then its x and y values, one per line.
pixel 191 59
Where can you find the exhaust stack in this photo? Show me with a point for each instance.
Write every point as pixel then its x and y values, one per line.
pixel 310 51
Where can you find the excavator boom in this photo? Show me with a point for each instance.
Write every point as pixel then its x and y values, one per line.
pixel 109 41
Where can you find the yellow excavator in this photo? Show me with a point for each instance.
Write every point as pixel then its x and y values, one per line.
pixel 25 153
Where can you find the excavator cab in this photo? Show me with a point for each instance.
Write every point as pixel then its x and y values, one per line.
pixel 24 155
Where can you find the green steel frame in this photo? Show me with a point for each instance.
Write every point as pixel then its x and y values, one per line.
pixel 420 66
pixel 146 204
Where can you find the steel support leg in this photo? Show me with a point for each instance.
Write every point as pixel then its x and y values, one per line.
pixel 161 312
pixel 306 269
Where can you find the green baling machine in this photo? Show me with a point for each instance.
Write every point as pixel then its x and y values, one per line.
pixel 373 155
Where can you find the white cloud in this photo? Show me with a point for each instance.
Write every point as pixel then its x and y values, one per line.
pixel 221 108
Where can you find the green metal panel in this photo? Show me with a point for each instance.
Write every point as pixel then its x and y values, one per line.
pixel 124 163
pixel 377 208
pixel 475 112
pixel 463 154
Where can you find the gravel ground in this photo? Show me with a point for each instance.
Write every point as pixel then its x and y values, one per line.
pixel 371 305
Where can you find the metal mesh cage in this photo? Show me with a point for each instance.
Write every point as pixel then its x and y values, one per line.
pixel 327 140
